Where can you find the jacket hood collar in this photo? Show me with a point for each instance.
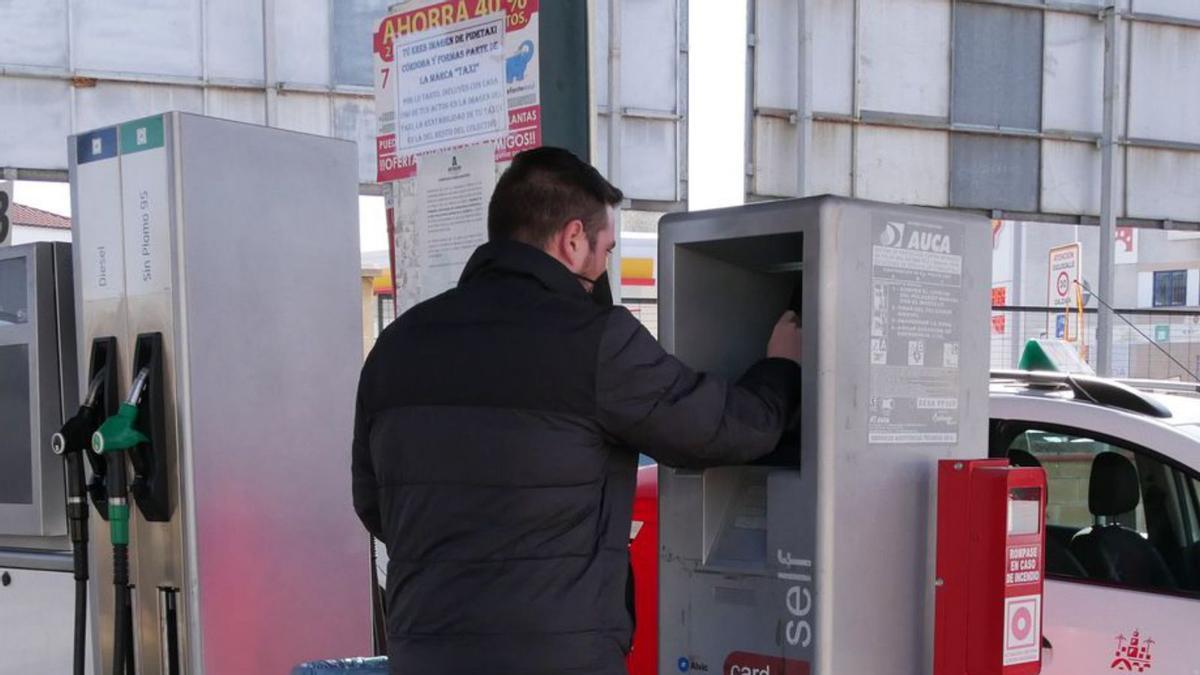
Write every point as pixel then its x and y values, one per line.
pixel 514 257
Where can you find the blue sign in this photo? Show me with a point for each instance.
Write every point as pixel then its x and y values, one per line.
pixel 683 664
pixel 96 145
pixel 1060 326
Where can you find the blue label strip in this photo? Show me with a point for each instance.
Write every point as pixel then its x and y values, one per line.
pixel 96 145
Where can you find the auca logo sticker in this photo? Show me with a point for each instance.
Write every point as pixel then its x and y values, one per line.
pixel 688 665
pixel 893 234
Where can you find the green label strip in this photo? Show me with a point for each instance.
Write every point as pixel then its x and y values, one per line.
pixel 143 134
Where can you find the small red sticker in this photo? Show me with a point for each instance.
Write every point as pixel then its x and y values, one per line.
pixel 1133 654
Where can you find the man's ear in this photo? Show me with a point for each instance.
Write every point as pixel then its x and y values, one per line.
pixel 575 240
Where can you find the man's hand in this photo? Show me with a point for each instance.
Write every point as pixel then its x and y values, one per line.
pixel 786 342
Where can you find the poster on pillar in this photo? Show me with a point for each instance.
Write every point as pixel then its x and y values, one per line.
pixel 453 73
pixel 453 191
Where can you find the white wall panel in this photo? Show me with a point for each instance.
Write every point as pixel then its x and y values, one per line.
pixel 1073 73
pixel 903 166
pixel 1165 87
pixel 135 36
pixel 648 163
pixel 1187 9
pixel 833 56
pixel 302 41
pixel 775 54
pixel 774 157
pixel 1071 178
pixel 27 137
pixel 234 44
pixel 903 63
pixel 1163 184
pixel 243 106
pixel 651 64
pixel 1145 289
pixel 829 168
pixel 649 51
pixel 775 165
pixel 33 33
pixel 354 120
pixel 308 113
pixel 113 102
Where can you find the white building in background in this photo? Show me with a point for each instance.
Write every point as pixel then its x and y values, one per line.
pixel 30 225
pixel 1156 285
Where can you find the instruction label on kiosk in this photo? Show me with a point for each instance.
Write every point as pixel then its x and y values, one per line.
pixel 916 294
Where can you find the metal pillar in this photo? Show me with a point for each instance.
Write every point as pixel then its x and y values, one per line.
pixel 615 112
pixel 1108 193
pixel 804 96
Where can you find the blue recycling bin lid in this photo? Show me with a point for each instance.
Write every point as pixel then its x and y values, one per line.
pixel 377 665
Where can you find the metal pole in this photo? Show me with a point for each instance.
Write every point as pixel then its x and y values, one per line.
pixel 269 62
pixel 1016 330
pixel 804 91
pixel 1108 193
pixel 614 134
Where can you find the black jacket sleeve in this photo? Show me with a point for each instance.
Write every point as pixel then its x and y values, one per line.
pixel 363 485
pixel 653 403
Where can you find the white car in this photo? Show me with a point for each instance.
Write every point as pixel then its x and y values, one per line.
pixel 1122 461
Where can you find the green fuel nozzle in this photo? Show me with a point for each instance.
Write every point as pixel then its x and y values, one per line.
pixel 115 435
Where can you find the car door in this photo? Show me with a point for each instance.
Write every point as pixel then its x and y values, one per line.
pixel 1096 623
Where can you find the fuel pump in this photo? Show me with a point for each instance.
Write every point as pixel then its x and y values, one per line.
pixel 114 437
pixel 70 443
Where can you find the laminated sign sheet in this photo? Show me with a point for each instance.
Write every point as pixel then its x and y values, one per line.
pixel 916 293
pixel 453 191
pixel 456 73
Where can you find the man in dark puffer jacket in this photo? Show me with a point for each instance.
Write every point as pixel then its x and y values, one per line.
pixel 497 431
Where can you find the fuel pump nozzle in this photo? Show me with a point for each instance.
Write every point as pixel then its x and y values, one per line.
pixel 70 442
pixel 115 436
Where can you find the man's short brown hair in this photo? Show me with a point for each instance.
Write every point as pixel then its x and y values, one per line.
pixel 542 191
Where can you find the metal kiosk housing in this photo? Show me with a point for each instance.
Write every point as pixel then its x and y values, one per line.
pixel 237 246
pixel 37 391
pixel 826 566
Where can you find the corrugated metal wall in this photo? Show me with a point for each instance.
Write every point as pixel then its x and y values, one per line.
pixel 653 95
pixel 988 104
pixel 73 65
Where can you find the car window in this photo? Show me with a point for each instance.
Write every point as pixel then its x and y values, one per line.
pixel 1152 546
pixel 1067 460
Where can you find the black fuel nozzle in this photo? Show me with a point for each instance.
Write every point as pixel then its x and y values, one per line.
pixel 71 443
